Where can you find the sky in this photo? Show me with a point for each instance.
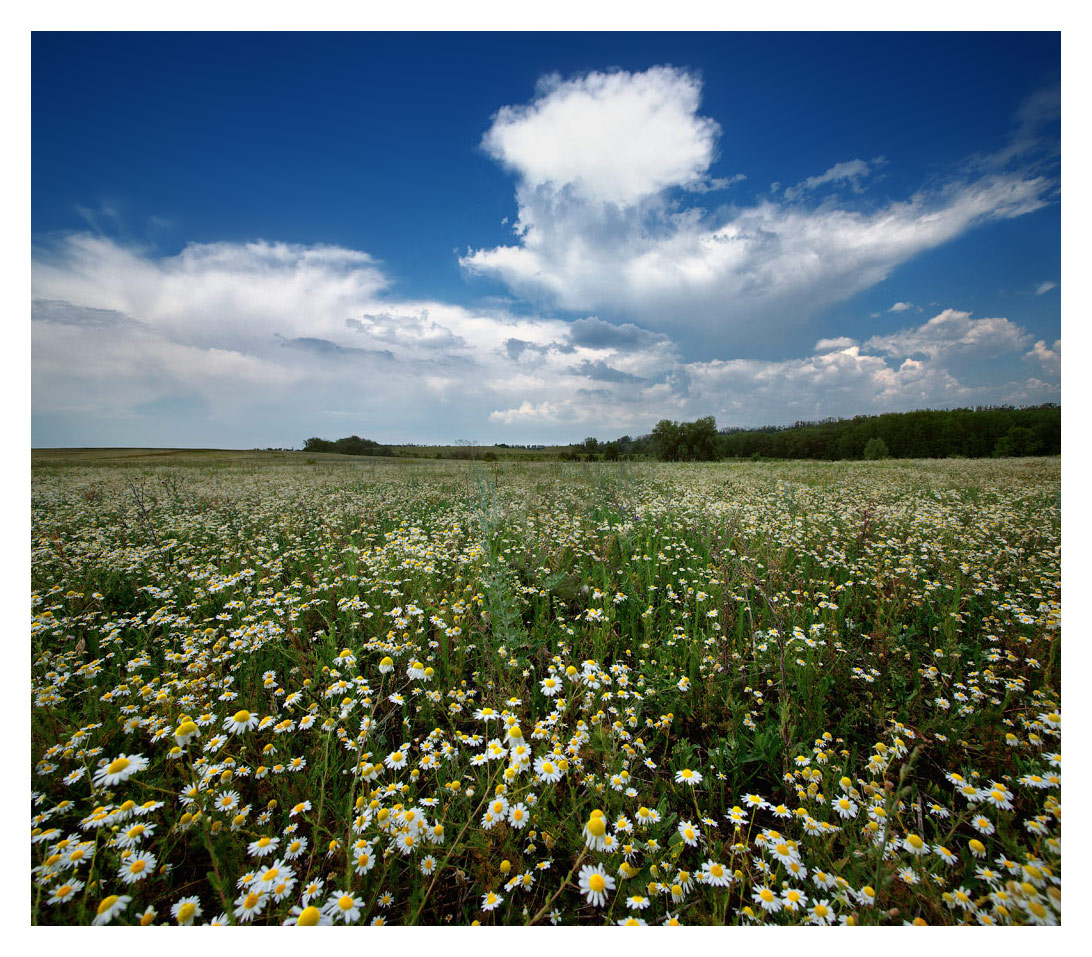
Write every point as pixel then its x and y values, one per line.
pixel 246 239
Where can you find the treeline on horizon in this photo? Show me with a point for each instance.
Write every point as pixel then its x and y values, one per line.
pixel 998 431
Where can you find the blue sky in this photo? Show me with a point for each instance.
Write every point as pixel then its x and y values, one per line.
pixel 246 239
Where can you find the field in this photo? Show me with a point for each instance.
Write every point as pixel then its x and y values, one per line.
pixel 271 688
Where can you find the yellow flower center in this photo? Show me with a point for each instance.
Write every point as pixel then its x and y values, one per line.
pixel 597 827
pixel 107 903
pixel 309 917
pixel 251 901
pixel 117 766
pixel 137 866
pixel 716 870
pixel 242 717
pixel 345 902
pixel 186 911
pixel 597 883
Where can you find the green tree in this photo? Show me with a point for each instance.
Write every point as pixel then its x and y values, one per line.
pixel 875 448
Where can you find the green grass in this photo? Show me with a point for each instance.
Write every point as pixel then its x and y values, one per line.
pixel 802 632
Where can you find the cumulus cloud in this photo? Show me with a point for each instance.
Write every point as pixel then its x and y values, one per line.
pixel 612 138
pixel 596 160
pixel 266 343
pixel 1048 357
pixel 832 345
pixel 901 307
pixel 953 333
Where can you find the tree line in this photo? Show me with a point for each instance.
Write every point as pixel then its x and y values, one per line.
pixel 1001 431
pixel 350 445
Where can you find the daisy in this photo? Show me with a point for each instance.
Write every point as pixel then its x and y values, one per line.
pixel 637 902
pixel 343 906
pixel 395 760
pixel 594 884
pixel 137 868
pixel 715 874
pixel 550 686
pixel 792 899
pixel 249 904
pixel 595 831
pixel 686 776
pixel 517 816
pixel 547 771
pixel 915 845
pixel 185 910
pixel 240 722
pixel 767 899
pixel 309 916
pixel 491 901
pixel 120 769
pixel 689 833
pixel 65 892
pixel 110 907
pixel 821 913
pixel 263 846
pixel 296 848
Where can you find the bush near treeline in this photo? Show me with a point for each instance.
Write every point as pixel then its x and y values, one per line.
pixel 350 445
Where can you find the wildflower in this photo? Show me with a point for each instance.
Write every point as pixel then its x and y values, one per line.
pixel 767 899
pixel 547 770
pixel 517 816
pixel 65 892
pixel 249 904
pixel 491 901
pixel 240 722
pixel 110 907
pixel 595 831
pixel 120 769
pixel 343 906
pixel 263 846
pixel 915 845
pixel 792 899
pixel 686 776
pixel 715 874
pixel 821 913
pixel 689 833
pixel 185 910
pixel 137 868
pixel 594 884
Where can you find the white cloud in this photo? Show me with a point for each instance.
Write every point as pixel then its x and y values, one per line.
pixel 192 349
pixel 1050 358
pixel 851 172
pixel 1045 287
pixel 598 230
pixel 608 137
pixel 901 307
pixel 832 345
pixel 953 333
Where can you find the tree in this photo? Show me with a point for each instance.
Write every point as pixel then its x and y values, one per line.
pixel 875 448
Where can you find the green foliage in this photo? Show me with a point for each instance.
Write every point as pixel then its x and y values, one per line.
pixel 875 449
pixel 350 445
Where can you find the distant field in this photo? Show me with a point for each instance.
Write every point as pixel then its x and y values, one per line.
pixel 268 690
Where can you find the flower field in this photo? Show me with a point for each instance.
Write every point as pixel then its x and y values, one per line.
pixel 400 693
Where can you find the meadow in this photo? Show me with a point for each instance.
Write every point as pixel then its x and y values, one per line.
pixel 278 689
